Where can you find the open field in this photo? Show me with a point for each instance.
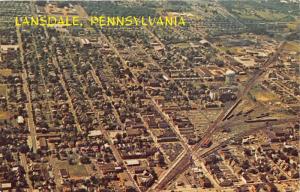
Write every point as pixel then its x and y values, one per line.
pixel 262 95
pixel 182 45
pixel 270 16
pixel 265 15
pixel 259 10
pixel 74 170
pixel 294 25
pixel 292 46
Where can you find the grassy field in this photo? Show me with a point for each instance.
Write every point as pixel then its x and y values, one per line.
pixel 74 170
pixel 234 50
pixel 270 16
pixel 265 15
pixel 294 25
pixel 262 95
pixel 292 46
pixel 268 11
pixel 78 171
pixel 245 14
pixel 182 45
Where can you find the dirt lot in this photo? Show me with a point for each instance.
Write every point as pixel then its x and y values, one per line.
pixel 5 72
pixel 4 115
pixel 3 90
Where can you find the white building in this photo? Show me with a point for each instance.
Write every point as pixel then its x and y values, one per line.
pixel 229 77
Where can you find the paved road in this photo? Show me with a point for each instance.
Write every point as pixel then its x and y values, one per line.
pixel 31 124
pixel 24 164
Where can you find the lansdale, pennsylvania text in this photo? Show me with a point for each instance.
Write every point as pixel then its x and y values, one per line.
pixel 101 21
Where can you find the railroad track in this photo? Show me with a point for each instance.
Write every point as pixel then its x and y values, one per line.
pixel 248 132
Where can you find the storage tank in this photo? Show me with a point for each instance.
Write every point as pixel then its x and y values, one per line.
pixel 229 77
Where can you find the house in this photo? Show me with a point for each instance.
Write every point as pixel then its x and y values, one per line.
pixel 108 168
pixel 246 178
pixel 95 133
pixel 5 186
pixel 225 182
pixel 132 162
pixel 145 180
pixel 85 42
pixel 204 42
pixel 20 120
pixel 43 143
pixel 205 182
pixel 64 173
pixel 133 132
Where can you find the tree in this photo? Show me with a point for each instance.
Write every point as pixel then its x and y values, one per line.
pixel 106 158
pixel 94 180
pixel 161 159
pixel 119 137
pixel 24 148
pixel 8 156
pixel 130 189
pixel 85 160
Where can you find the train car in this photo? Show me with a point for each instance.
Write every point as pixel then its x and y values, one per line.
pixel 263 115
pixel 207 143
pixel 260 120
pixel 248 112
pixel 230 116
